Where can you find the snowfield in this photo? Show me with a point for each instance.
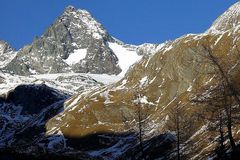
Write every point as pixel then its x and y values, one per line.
pixel 76 56
pixel 126 57
pixel 67 82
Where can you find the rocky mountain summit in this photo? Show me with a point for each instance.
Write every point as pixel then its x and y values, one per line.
pixel 7 53
pixel 5 47
pixel 76 42
pixel 67 45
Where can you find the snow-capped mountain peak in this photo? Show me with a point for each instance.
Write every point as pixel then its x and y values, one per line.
pixel 7 53
pixel 76 42
pixel 5 47
pixel 83 19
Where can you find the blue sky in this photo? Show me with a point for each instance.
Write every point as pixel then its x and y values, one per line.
pixel 132 21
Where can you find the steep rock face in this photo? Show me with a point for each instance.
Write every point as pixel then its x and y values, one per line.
pixel 172 75
pixel 33 98
pixel 5 47
pixel 24 112
pixel 7 53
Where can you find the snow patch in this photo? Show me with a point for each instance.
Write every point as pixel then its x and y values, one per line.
pixel 143 100
pixel 1 49
pixel 201 130
pixel 97 36
pixel 74 44
pixel 126 57
pixel 152 80
pixel 219 38
pixel 76 56
pixel 6 58
pixel 147 62
pixel 233 67
pixel 74 103
pixel 209 80
pixel 124 82
pixel 106 96
pixel 105 78
pixel 32 71
pixel 168 48
pixel 189 88
pixel 143 81
pixel 90 22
